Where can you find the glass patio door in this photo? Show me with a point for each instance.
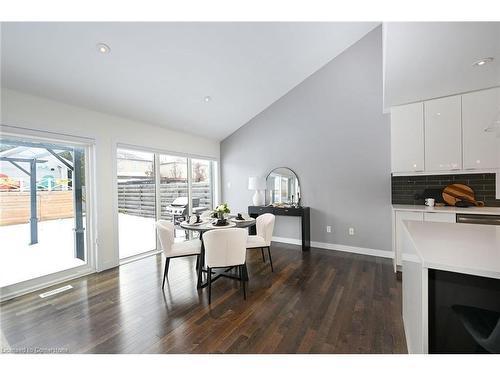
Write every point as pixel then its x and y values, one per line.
pixel 174 192
pixel 154 186
pixel 43 209
pixel 136 202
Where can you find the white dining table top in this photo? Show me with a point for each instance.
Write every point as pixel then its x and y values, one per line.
pixel 207 224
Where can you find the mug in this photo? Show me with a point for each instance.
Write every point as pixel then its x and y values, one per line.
pixel 429 202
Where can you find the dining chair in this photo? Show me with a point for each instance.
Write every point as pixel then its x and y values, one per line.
pixel 265 227
pixel 225 248
pixel 171 249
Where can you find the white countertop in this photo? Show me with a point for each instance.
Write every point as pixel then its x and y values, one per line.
pixel 449 209
pixel 465 248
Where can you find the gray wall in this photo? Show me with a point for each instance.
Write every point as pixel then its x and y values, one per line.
pixel 331 131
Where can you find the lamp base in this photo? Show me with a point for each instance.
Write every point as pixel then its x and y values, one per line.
pixel 258 198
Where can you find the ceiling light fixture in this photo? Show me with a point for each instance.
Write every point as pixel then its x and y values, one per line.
pixel 207 99
pixel 103 48
pixel 483 62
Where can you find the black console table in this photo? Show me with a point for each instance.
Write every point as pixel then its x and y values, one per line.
pixel 302 212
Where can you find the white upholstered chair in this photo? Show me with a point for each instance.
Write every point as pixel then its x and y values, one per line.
pixel 225 248
pixel 265 227
pixel 166 234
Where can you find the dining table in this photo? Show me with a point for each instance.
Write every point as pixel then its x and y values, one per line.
pixel 205 226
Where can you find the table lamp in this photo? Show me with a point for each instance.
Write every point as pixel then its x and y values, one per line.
pixel 258 184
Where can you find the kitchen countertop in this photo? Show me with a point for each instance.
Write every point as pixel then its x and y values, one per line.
pixel 464 248
pixel 449 209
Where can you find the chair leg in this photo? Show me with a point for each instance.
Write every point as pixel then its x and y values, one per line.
pixel 197 262
pixel 165 272
pixel 270 259
pixel 243 281
pixel 240 275
pixel 209 277
pixel 245 272
pixel 263 256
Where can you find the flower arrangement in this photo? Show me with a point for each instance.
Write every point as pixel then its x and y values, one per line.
pixel 222 209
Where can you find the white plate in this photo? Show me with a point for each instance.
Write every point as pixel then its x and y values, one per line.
pixel 195 224
pixel 234 220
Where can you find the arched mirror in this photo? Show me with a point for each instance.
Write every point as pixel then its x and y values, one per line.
pixel 282 187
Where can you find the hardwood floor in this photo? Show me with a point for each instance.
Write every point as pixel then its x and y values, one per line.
pixel 320 301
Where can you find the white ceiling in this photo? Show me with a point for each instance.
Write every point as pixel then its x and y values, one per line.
pixel 161 72
pixel 424 60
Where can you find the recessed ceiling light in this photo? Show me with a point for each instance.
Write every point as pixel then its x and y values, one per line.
pixel 483 61
pixel 103 48
pixel 207 99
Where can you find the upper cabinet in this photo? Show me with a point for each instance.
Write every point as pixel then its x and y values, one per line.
pixel 443 134
pixel 407 134
pixel 460 132
pixel 481 131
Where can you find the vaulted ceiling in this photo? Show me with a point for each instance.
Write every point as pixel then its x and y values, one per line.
pixel 424 60
pixel 162 73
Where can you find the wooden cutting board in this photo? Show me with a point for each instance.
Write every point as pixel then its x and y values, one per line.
pixel 459 192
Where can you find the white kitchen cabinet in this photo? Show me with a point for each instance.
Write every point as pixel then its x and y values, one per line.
pixel 407 138
pixel 481 132
pixel 441 217
pixel 399 217
pixel 443 134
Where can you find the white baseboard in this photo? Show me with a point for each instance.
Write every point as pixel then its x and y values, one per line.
pixel 338 247
pixel 292 241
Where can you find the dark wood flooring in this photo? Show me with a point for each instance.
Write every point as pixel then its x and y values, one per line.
pixel 315 302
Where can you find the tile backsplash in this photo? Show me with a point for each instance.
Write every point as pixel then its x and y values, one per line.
pixel 404 188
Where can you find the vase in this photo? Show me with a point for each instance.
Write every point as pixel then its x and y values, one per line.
pixel 220 218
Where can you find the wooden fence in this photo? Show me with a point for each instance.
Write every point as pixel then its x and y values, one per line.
pixel 15 206
pixel 133 199
pixel 139 198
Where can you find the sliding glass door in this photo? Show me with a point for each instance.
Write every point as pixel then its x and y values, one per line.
pixel 153 186
pixel 174 191
pixel 43 209
pixel 136 202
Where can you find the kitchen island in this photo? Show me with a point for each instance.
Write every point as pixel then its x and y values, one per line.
pixel 444 265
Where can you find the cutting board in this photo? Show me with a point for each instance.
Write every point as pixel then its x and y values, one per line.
pixel 459 192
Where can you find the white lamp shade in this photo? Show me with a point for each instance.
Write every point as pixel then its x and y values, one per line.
pixel 256 183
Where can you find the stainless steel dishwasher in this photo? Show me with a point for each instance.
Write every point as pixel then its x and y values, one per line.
pixel 478 219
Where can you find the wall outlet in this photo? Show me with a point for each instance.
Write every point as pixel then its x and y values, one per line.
pixel 328 229
pixel 351 231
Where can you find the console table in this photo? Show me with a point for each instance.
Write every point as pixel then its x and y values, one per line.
pixel 302 212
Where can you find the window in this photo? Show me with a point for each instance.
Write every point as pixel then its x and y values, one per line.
pixel 202 185
pixel 153 186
